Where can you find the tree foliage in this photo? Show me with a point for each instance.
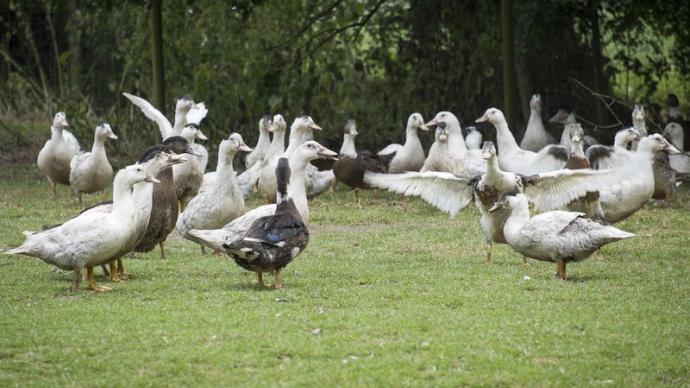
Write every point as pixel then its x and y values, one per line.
pixel 374 60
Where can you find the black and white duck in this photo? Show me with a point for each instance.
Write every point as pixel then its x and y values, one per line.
pixel 273 241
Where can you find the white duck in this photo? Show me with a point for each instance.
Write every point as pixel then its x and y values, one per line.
pixel 91 238
pixel 450 193
pixel 473 139
pixel 536 136
pixel 194 116
pixel 57 153
pixel 301 131
pixel 458 159
pixel 182 107
pixel 555 236
pixel 635 185
pixel 188 176
pixel 410 156
pixel 674 133
pixel 91 171
pixel 221 203
pixel 566 116
pixel 437 159
pixel 215 238
pixel 257 156
pixel 638 121
pixel 601 156
pixel 513 158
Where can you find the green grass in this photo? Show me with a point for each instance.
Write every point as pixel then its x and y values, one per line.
pixel 393 294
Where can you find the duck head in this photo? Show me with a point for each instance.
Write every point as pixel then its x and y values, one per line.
pixel 351 128
pixel 489 150
pixel 311 150
pixel 282 179
pixel 511 200
pixel 264 123
pixel 535 103
pixel 638 113
pixel 277 124
pixel 564 115
pixel 473 138
pixel 234 144
pixel 60 120
pixel 104 132
pixel 492 115
pixel 192 131
pixel 655 143
pixel 304 123
pixel 415 122
pixel 178 145
pixel 576 132
pixel 158 158
pixel 673 132
pixel 137 173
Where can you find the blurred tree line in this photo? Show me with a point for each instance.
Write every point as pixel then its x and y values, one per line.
pixel 374 60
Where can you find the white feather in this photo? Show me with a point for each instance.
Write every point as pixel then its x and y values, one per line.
pixel 152 113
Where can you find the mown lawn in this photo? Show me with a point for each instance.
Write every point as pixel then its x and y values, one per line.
pixel 393 294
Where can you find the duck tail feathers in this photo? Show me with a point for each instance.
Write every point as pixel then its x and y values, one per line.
pixel 210 238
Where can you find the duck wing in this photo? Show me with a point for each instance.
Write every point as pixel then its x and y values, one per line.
pixel 153 114
pixel 71 141
pixel 443 190
pixel 555 189
pixel 550 158
pixel 197 113
pixel 395 147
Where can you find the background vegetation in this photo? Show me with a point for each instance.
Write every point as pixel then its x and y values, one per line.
pixel 374 60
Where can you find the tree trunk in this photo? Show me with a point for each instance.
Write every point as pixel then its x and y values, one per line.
pixel 74 42
pixel 508 67
pixel 157 55
pixel 524 81
pixel 597 71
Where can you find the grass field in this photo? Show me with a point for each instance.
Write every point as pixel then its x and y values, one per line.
pixel 393 294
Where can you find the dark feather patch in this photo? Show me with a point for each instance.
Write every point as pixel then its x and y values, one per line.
pixel 559 152
pixel 596 154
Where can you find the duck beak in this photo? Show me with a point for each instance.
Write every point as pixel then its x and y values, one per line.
pixel 112 136
pixel 65 123
pixel 576 138
pixel 430 125
pixel 315 127
pixel 200 135
pixel 151 179
pixel 177 159
pixel 496 206
pixel 325 153
pixel 672 150
pixel 482 119
pixel 245 148
pixel 190 151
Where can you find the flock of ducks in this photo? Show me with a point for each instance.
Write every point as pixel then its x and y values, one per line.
pixel 579 188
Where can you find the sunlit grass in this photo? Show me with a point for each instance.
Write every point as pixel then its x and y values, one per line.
pixel 395 293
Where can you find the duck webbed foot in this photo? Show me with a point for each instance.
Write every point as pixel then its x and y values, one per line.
pixel 121 273
pixel 92 282
pixel 113 273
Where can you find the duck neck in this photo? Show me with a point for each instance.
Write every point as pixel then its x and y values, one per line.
pixel 224 168
pixel 297 187
pixel 620 141
pixel 411 136
pixel 348 147
pixel 493 171
pixel 277 144
pixel 577 149
pixel 456 141
pixel 674 112
pixel 297 138
pixel 506 141
pixel 123 198
pixel 98 147
pixel 180 121
pixel 535 123
pixel 56 132
pixel 264 139
pixel 518 217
